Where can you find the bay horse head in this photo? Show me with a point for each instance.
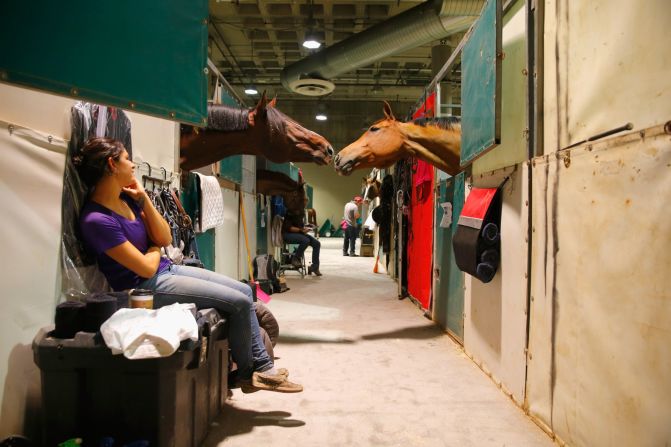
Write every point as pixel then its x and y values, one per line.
pixel 370 186
pixel 262 130
pixel 278 184
pixel 436 141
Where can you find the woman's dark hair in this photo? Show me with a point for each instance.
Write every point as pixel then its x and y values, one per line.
pixel 91 162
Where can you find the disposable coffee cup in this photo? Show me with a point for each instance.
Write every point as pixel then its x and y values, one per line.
pixel 141 299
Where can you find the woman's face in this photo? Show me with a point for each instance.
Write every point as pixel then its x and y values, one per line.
pixel 125 170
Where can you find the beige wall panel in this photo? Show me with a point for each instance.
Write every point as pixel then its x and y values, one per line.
pixel 226 237
pixel 613 66
pixel 331 191
pixel 32 184
pixel 495 313
pixel 606 314
pixel 31 177
pixel 34 110
pixel 249 201
pixel 156 141
pixel 513 147
pixel 538 398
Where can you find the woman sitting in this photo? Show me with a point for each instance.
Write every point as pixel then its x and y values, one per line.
pixel 294 231
pixel 121 227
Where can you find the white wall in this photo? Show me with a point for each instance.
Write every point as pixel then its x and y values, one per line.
pixel 30 188
pixel 331 191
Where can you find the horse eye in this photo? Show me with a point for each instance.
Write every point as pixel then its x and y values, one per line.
pixel 374 129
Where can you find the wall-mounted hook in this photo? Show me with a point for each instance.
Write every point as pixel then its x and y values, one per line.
pixel 144 178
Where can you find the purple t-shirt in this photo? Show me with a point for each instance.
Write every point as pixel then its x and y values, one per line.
pixel 103 229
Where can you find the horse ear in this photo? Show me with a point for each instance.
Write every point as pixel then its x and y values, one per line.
pixel 387 111
pixel 263 102
pixel 273 102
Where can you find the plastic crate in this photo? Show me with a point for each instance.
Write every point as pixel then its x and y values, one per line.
pixel 89 393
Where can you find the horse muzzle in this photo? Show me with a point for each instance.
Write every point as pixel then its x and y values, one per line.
pixel 345 168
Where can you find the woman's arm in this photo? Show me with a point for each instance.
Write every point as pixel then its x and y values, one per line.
pixel 144 265
pixel 157 227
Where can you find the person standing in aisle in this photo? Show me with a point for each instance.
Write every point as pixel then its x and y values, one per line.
pixel 351 214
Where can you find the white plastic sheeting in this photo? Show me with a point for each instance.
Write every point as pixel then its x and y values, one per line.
pixel 31 178
pixel 600 338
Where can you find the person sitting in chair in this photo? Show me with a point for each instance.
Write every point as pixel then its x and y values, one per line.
pixel 294 231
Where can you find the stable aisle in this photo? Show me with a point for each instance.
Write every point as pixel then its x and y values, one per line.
pixel 375 372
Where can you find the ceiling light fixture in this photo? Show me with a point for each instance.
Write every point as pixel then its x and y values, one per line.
pixel 311 41
pixel 311 38
pixel 321 111
pixel 251 90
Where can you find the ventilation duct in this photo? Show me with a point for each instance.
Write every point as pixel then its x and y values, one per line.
pixel 425 23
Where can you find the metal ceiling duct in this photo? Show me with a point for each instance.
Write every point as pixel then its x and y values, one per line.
pixel 430 21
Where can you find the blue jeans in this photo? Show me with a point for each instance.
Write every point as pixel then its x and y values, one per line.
pixel 204 288
pixel 350 239
pixel 303 240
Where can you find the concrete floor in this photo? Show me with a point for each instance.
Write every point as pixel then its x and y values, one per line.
pixel 376 372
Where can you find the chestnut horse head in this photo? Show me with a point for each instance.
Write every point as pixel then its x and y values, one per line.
pixel 279 184
pixel 263 131
pixel 436 141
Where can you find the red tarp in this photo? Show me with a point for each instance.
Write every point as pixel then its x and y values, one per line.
pixel 420 222
pixel 420 234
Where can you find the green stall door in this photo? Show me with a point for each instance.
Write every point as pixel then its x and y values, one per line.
pixel 145 56
pixel 448 307
pixel 481 85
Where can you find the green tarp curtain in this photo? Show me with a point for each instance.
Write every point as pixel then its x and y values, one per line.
pixel 146 56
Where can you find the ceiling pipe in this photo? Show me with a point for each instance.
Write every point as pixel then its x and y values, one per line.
pixel 427 22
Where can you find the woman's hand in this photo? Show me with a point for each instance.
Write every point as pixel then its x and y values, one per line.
pixel 135 191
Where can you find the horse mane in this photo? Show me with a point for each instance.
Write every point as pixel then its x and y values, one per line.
pixel 444 122
pixel 227 119
pixel 277 120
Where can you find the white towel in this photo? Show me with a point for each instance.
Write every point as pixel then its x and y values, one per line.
pixel 211 202
pixel 276 231
pixel 146 333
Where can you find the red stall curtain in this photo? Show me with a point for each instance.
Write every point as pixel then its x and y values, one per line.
pixel 420 231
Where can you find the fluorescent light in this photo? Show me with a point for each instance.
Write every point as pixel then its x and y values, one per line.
pixel 312 44
pixel 321 117
pixel 251 91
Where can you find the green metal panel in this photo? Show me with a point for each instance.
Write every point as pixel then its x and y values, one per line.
pixel 285 168
pixel 147 56
pixel 205 241
pixel 206 248
pixel 481 85
pixel 261 231
pixel 309 191
pixel 455 282
pixel 514 147
pixel 231 168
pixel 449 289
